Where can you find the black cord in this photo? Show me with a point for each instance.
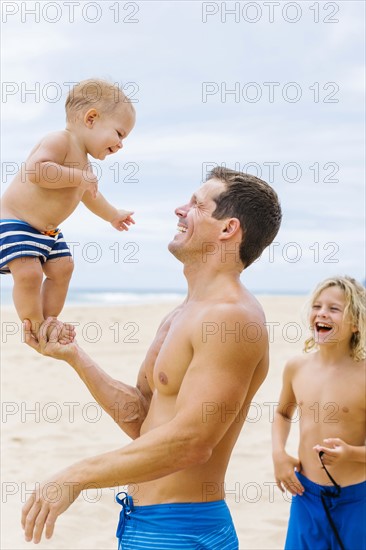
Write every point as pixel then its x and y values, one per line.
pixel 325 505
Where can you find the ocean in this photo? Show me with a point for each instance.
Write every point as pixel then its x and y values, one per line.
pixel 93 296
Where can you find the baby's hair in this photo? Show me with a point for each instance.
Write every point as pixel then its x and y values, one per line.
pixel 94 92
pixel 355 295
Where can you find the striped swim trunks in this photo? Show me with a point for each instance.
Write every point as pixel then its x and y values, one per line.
pixel 18 239
pixel 182 526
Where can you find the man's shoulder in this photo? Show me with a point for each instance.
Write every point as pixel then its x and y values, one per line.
pixel 234 328
pixel 240 310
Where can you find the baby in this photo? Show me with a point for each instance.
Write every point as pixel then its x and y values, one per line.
pixel 53 180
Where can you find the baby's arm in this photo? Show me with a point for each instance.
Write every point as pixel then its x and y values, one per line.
pixel 45 166
pixel 120 219
pixel 336 451
pixel 284 464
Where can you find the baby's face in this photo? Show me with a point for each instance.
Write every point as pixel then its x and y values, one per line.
pixel 109 130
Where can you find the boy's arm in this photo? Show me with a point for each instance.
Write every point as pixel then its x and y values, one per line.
pixel 120 219
pixel 285 464
pixel 45 166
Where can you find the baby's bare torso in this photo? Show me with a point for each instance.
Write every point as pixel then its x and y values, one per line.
pixel 44 208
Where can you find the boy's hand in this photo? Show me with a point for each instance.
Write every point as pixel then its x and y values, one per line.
pixel 122 220
pixel 89 183
pixel 285 475
pixel 338 451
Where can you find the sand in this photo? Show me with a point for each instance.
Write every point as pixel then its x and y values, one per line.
pixel 49 420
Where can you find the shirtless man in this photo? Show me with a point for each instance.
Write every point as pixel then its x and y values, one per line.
pixel 181 441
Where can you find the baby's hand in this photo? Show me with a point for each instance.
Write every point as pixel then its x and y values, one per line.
pixel 123 220
pixel 89 183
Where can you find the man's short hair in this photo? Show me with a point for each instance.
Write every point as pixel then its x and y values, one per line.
pixel 255 204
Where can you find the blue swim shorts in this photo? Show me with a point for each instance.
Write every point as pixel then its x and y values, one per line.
pixel 182 526
pixel 309 527
pixel 18 239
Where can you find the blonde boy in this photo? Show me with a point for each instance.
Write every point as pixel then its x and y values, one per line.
pixel 57 176
pixel 327 387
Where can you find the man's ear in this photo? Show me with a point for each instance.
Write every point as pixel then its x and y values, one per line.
pixel 90 117
pixel 230 228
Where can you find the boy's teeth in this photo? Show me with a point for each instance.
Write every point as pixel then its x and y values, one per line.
pixel 181 229
pixel 323 325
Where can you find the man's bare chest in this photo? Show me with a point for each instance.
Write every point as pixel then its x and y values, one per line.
pixel 170 356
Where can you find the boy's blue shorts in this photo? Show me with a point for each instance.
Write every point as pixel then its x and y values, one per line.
pixel 182 526
pixel 18 239
pixel 309 527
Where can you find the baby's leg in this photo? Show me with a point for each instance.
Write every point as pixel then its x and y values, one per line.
pixel 28 275
pixel 54 291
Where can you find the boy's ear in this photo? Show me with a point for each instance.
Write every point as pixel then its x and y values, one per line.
pixel 230 228
pixel 90 117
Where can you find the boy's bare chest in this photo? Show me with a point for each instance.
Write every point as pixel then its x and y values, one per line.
pixel 330 397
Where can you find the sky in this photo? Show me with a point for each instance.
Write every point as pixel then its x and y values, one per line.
pixel 270 88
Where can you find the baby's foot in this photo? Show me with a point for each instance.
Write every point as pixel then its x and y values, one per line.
pixel 63 333
pixel 67 334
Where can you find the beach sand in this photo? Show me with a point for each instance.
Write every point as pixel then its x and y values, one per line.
pixel 49 420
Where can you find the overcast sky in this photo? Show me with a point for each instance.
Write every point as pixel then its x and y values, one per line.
pixel 271 88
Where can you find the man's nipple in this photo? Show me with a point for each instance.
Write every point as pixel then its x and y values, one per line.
pixel 163 378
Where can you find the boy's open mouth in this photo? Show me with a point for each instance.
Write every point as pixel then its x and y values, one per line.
pixel 323 327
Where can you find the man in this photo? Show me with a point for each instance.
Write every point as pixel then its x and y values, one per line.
pixel 208 359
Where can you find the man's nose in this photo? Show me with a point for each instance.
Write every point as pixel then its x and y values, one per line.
pixel 182 211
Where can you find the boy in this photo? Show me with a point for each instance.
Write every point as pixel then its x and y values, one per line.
pixel 57 176
pixel 328 387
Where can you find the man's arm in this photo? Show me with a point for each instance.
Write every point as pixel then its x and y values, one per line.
pixel 285 464
pixel 127 405
pixel 220 372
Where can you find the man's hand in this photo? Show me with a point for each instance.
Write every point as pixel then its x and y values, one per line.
pixel 285 474
pixel 47 341
pixel 122 220
pixel 337 451
pixel 47 502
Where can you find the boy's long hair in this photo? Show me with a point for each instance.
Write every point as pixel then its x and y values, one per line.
pixel 355 296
